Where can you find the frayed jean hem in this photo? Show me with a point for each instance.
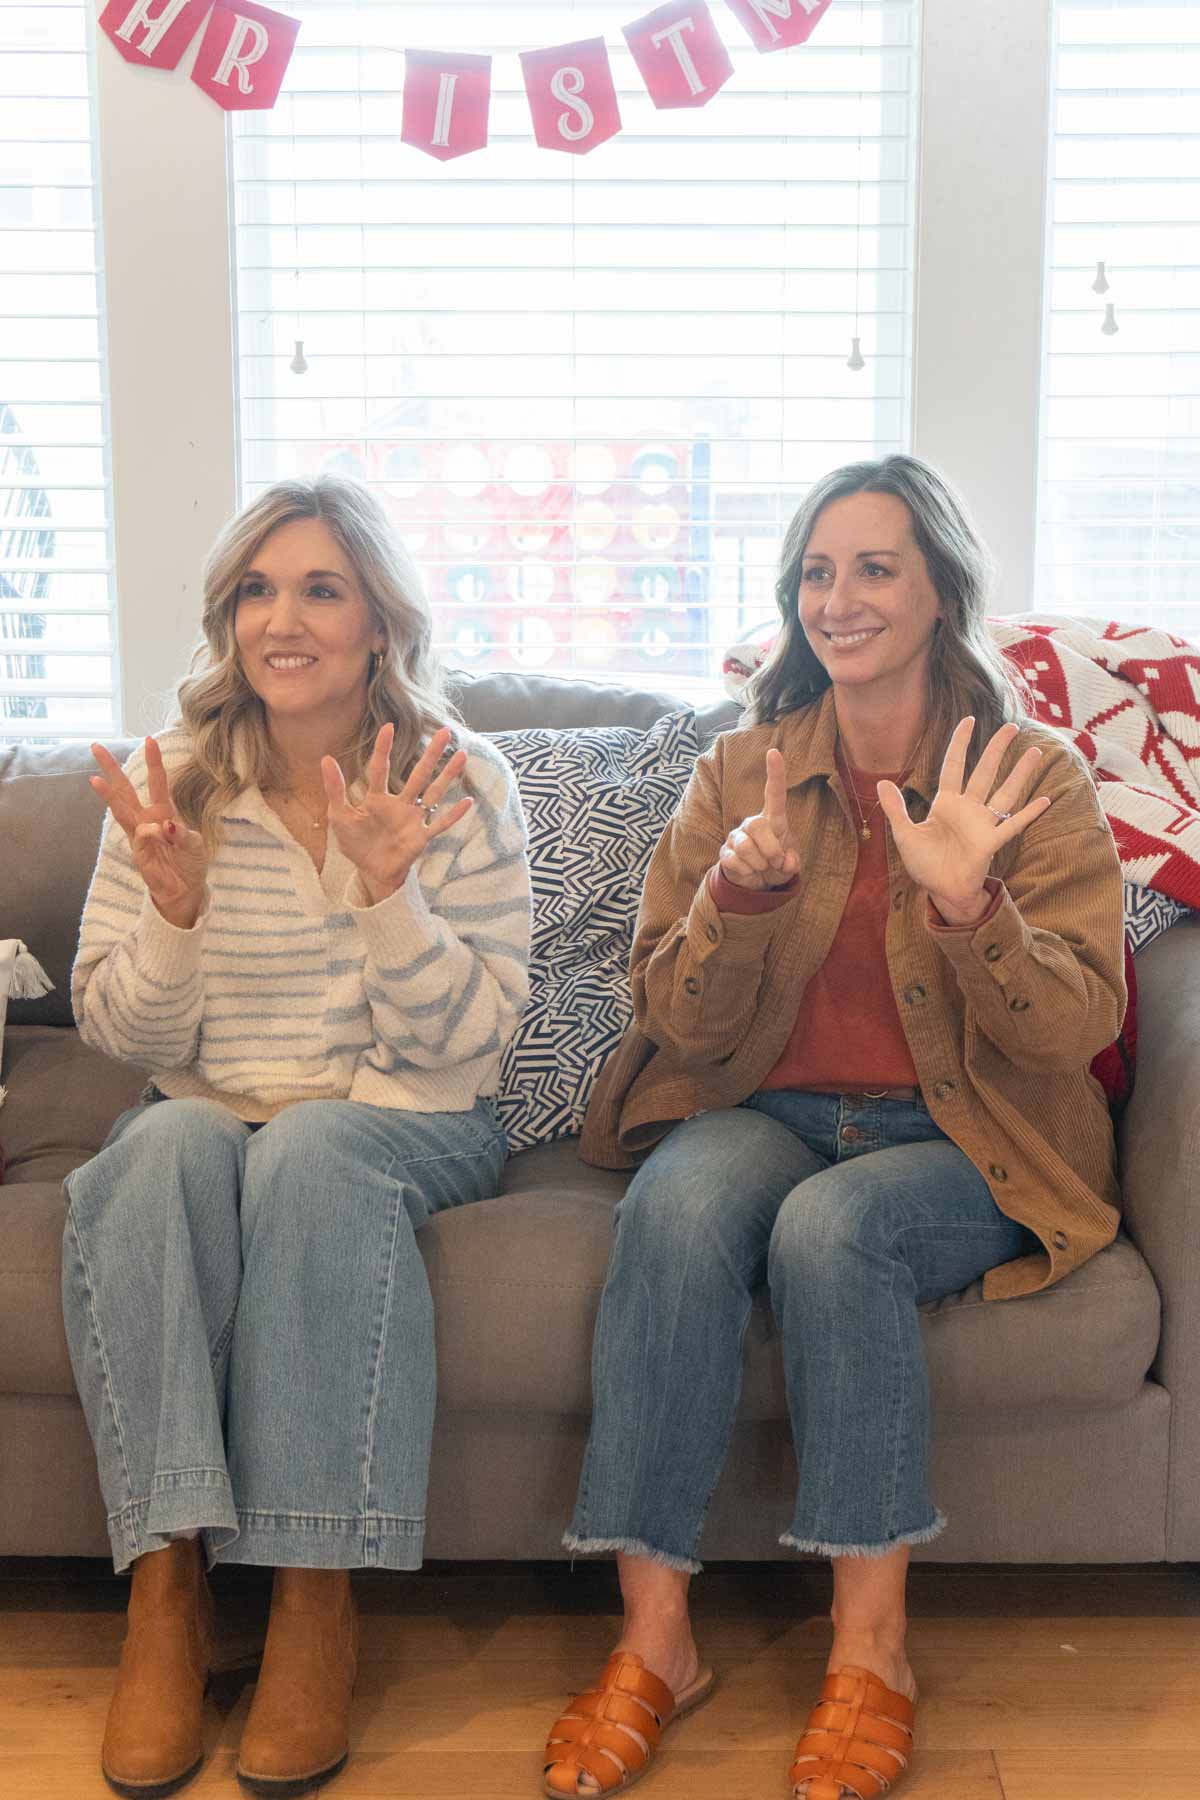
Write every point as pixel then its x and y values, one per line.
pixel 812 1547
pixel 589 1546
pixel 325 1541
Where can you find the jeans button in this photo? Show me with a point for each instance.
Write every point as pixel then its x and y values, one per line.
pixel 850 1134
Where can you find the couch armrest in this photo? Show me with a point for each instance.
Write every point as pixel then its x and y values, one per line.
pixel 1160 1180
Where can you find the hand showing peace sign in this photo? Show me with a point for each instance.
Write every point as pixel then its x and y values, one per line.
pixel 950 852
pixel 758 853
pixel 385 834
pixel 170 859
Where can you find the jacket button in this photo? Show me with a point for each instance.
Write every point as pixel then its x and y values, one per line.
pixel 992 953
pixel 915 995
pixel 997 1173
pixel 691 985
pixel 944 1089
pixel 1018 1005
pixel 1060 1240
pixel 711 933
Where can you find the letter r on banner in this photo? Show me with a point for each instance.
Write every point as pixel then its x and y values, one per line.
pixel 571 96
pixel 446 98
pixel 681 57
pixel 778 24
pixel 154 33
pixel 244 55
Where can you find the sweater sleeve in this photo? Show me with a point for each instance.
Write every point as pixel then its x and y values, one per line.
pixel 695 969
pixel 1043 974
pixel 447 971
pixel 136 988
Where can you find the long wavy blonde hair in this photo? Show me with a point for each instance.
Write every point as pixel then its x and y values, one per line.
pixel 967 672
pixel 224 717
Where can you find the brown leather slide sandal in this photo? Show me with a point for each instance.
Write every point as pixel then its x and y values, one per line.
pixel 857 1742
pixel 612 1731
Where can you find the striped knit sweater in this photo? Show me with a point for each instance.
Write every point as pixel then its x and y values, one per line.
pixel 291 985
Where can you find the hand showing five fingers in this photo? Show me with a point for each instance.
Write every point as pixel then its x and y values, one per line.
pixel 170 858
pixel 385 834
pixel 950 852
pixel 758 853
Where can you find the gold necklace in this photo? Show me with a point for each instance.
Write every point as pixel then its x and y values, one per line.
pixel 864 829
pixel 290 797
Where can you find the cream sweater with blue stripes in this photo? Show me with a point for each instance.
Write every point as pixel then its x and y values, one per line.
pixel 292 986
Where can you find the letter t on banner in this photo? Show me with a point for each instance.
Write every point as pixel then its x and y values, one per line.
pixel 571 96
pixel 797 21
pixel 154 33
pixel 682 59
pixel 244 55
pixel 446 96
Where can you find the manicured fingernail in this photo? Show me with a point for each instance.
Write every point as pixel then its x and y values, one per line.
pixel 169 828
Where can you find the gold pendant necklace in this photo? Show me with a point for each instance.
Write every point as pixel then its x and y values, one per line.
pixel 864 831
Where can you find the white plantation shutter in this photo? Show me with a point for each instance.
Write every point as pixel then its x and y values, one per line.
pixel 56 614
pixel 590 389
pixel 1119 521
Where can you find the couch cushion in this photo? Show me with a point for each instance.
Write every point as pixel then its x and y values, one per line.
pixel 62 1100
pixel 597 801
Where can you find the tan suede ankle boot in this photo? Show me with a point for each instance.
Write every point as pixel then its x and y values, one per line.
pixel 153 1742
pixel 298 1732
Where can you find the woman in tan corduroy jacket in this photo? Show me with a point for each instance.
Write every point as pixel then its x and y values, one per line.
pixel 879 945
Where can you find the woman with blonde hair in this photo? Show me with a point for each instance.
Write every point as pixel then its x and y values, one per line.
pixel 309 922
pixel 878 947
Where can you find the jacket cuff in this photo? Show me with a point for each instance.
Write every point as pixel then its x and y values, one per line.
pixel 935 922
pixel 989 948
pixel 730 898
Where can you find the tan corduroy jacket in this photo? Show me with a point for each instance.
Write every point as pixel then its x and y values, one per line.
pixel 1002 1021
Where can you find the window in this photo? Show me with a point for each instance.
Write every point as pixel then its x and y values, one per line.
pixel 589 389
pixel 56 646
pixel 1119 519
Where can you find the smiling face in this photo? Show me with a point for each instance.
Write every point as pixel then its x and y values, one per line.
pixel 304 629
pixel 867 605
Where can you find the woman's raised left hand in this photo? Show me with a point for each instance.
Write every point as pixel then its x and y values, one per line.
pixel 385 834
pixel 950 852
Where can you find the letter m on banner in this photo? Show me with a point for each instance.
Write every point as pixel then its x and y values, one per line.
pixel 244 55
pixel 778 24
pixel 446 98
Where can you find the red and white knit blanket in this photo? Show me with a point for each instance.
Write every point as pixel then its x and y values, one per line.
pixel 1129 698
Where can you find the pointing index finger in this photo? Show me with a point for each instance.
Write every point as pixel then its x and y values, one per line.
pixel 775 793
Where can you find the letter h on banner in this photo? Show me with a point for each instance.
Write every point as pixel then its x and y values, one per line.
pixel 797 21
pixel 446 97
pixel 154 33
pixel 571 96
pixel 681 57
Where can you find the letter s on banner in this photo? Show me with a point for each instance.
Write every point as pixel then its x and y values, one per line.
pixel 571 96
pixel 681 57
pixel 778 24
pixel 244 55
pixel 446 98
pixel 154 33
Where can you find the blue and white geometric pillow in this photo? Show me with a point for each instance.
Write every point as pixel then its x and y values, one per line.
pixel 1148 915
pixel 597 800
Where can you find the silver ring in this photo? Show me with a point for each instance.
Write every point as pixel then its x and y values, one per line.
pixel 999 816
pixel 427 813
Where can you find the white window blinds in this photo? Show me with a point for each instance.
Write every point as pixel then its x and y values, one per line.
pixel 56 616
pixel 1119 521
pixel 589 389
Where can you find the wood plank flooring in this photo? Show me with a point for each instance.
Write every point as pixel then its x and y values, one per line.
pixel 1078 1684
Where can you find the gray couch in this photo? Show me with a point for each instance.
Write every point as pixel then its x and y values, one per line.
pixel 1067 1425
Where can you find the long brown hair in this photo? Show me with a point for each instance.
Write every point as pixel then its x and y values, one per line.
pixel 967 672
pixel 224 717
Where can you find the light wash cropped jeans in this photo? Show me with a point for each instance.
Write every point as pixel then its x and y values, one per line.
pixel 854 1211
pixel 251 1327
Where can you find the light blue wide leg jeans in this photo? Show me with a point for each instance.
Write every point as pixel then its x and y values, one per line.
pixel 251 1327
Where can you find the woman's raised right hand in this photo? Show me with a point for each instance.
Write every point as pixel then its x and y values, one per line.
pixel 170 858
pixel 758 853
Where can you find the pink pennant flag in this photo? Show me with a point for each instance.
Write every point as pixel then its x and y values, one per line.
pixel 778 24
pixel 681 57
pixel 446 98
pixel 571 96
pixel 244 55
pixel 154 33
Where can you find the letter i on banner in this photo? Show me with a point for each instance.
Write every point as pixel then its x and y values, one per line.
pixel 571 96
pixel 154 33
pixel 778 24
pixel 446 98
pixel 244 55
pixel 681 57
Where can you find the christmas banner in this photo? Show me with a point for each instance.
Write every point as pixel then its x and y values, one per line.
pixel 245 50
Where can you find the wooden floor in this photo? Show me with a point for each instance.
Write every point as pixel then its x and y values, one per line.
pixel 1078 1684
